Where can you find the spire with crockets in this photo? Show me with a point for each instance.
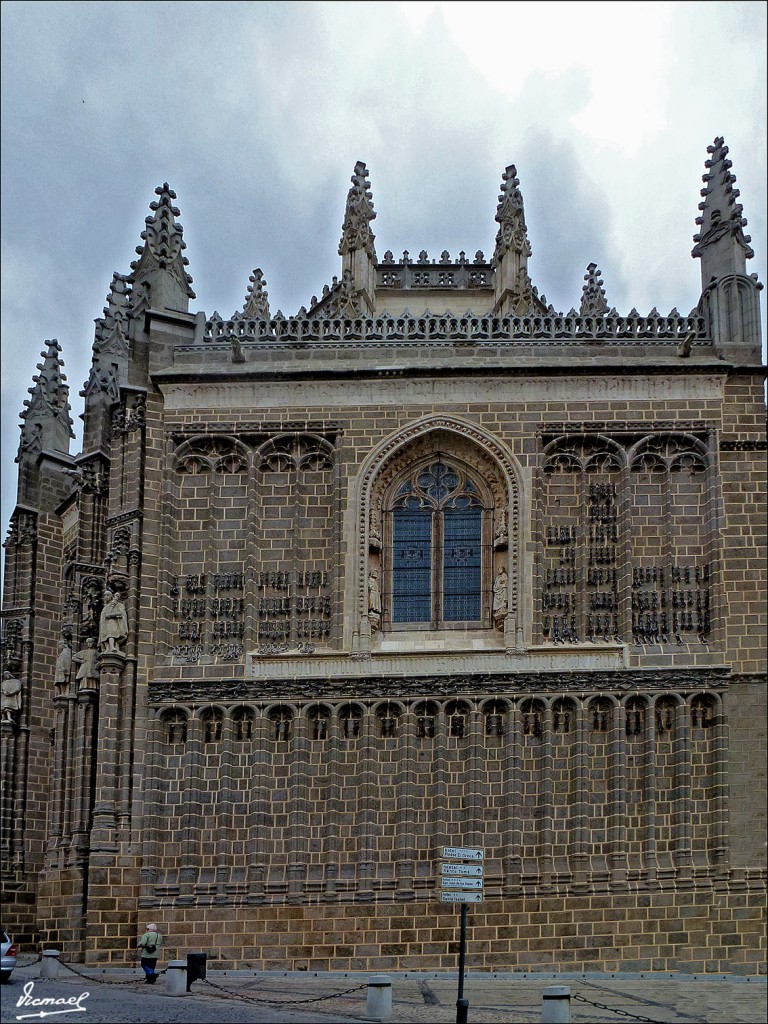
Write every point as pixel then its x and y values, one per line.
pixel 46 422
pixel 159 278
pixel 720 243
pixel 356 231
pixel 593 301
pixel 729 297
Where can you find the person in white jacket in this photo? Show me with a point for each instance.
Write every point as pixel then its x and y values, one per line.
pixel 150 944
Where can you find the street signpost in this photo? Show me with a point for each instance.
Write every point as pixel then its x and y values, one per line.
pixel 475 870
pixel 462 883
pixel 461 897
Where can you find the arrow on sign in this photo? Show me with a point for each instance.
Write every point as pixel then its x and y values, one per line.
pixel 461 883
pixel 462 869
pixel 461 853
pixel 460 897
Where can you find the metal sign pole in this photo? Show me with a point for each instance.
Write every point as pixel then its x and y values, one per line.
pixel 462 1004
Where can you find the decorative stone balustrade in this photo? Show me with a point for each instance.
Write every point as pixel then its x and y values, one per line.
pixel 611 329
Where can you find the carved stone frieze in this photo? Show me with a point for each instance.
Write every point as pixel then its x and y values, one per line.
pixel 664 451
pixel 204 454
pixel 744 446
pixel 298 451
pixel 469 686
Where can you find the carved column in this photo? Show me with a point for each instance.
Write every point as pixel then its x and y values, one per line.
pixel 474 780
pixel 111 667
pixel 405 818
pixel 649 810
pixel 547 799
pixel 440 811
pixel 512 806
pixel 617 832
pixel 222 809
pixel 333 812
pixel 61 706
pixel 152 800
pixel 298 842
pixel 189 862
pixel 8 732
pixel 683 852
pixel 366 809
pixel 720 845
pixel 257 817
pixel 580 777
pixel 87 701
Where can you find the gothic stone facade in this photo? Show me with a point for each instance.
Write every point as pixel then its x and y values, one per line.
pixel 383 581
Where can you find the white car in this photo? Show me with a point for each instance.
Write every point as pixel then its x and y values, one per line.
pixel 8 952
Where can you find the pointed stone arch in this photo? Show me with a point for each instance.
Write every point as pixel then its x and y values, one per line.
pixel 479 450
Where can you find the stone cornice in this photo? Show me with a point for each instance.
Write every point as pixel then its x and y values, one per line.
pixel 466 684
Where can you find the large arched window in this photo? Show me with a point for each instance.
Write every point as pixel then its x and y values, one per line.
pixel 438 523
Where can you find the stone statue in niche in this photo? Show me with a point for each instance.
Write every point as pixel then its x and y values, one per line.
pixel 11 696
pixel 87 661
pixel 500 598
pixel 63 666
pixel 374 598
pixel 113 624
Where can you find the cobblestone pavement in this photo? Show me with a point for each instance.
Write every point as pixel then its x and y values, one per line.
pixel 229 997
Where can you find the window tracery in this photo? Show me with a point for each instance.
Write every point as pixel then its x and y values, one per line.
pixel 438 527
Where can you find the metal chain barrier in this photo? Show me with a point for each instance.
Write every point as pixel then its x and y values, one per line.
pixel 105 980
pixel 24 967
pixel 282 1002
pixel 613 1009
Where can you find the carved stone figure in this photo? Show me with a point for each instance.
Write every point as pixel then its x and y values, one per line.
pixel 91 601
pixel 374 592
pixel 500 593
pixel 63 666
pixel 113 624
pixel 11 696
pixel 87 661
pixel 501 525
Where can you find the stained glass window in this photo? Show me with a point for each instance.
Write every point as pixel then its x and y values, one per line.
pixel 437 555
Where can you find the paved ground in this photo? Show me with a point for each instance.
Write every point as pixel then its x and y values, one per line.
pixel 231 997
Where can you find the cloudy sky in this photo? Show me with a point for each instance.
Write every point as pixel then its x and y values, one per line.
pixel 255 113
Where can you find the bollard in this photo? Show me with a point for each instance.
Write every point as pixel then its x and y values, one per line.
pixel 176 978
pixel 196 968
pixel 49 968
pixel 556 1005
pixel 378 1005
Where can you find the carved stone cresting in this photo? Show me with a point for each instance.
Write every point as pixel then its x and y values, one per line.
pixel 545 328
pixel 575 453
pixel 205 454
pixel 299 451
pixel 597 452
pixel 470 444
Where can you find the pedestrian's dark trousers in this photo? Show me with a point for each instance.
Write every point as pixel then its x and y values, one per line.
pixel 148 963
